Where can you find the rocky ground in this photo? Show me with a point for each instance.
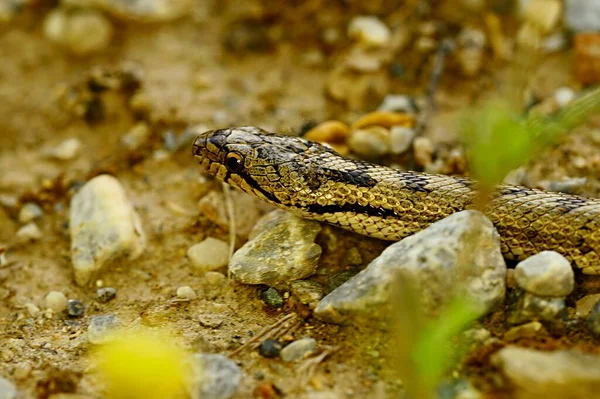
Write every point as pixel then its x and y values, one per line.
pixel 107 223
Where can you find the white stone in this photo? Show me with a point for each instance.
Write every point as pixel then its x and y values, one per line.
pixel 401 138
pixel 29 232
pixel 546 274
pixel 186 292
pixel 369 30
pixel 57 301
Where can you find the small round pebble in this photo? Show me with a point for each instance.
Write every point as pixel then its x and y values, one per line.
pixel 33 310
pixel 298 350
pixel 75 308
pixel 66 150
pixel 29 212
pixel 210 254
pixel 563 96
pixel 186 292
pixel 400 139
pixel 106 294
pixel 423 150
pixel 398 103
pixel 29 232
pixel 82 32
pixel 102 328
pixel 272 298
pixel 593 321
pixel 369 30
pixel 370 142
pixel 547 273
pixel 270 348
pixel 214 278
pixel 57 301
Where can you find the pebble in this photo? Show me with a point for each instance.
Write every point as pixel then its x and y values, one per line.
pixel 214 278
pixel 353 257
pixel 210 320
pixel 143 11
pixel 298 349
pixel 57 301
pixel 106 294
pixel 369 31
pixel 582 15
pixel 82 31
pixel 433 257
pixel 547 273
pixel 584 306
pixel 527 330
pixel 102 328
pixel 398 103
pixel 371 142
pixel 29 212
pixel 281 250
pixel 530 307
pixel 32 309
pixel 104 227
pixel 470 54
pixel 550 375
pixel 401 139
pixel 272 297
pixel 8 390
pixel 216 377
pixel 270 348
pixel 363 62
pixel 136 137
pixel 209 254
pixel 75 308
pixel 67 150
pixel 423 150
pixel 563 96
pixel 385 119
pixel 332 132
pixel 186 292
pixel 593 321
pixel 307 291
pixel 568 186
pixel 22 371
pixel 29 232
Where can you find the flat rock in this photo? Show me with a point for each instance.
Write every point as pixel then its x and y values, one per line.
pixel 550 375
pixel 104 227
pixel 217 377
pixel 547 273
pixel 436 259
pixel 281 250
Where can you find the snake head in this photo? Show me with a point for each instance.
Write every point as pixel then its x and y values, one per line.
pixel 253 160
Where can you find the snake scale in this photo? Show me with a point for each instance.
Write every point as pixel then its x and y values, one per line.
pixel 314 182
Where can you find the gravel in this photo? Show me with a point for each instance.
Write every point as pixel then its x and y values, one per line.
pixel 106 294
pixel 186 292
pixel 75 308
pixel 102 328
pixel 270 348
pixel 57 301
pixel 216 377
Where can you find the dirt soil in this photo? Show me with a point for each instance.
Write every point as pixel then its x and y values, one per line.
pixel 196 71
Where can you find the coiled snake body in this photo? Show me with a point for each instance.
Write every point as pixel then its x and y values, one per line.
pixel 314 182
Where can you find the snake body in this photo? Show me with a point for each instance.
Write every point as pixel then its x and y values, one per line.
pixel 314 182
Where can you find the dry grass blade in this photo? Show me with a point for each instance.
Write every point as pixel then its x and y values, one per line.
pixel 281 327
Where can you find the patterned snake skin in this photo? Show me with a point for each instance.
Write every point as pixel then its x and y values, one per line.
pixel 314 182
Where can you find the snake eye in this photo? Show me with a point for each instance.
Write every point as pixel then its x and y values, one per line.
pixel 234 162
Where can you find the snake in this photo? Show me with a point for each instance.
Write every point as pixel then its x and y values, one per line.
pixel 313 181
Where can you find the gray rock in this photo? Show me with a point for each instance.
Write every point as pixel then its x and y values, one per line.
pixel 104 227
pixel 582 15
pixel 106 294
pixel 307 291
pixel 75 308
pixel 436 259
pixel 8 390
pixel 282 250
pixel 593 321
pixel 272 298
pixel 102 328
pixel 550 375
pixel 529 307
pixel 216 377
pixel 298 349
pixel 546 274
